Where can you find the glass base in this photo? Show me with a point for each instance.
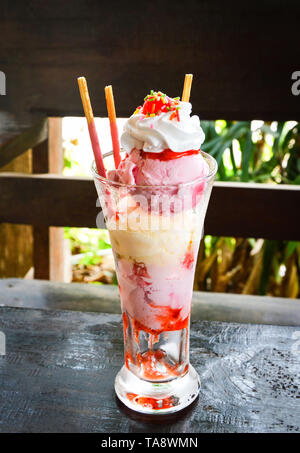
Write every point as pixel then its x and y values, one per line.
pixel 159 397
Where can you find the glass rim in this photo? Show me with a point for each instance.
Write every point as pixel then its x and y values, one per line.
pixel 210 175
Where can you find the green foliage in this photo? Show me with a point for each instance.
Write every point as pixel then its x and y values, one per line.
pixel 254 151
pixel 259 152
pixel 88 241
pixel 69 161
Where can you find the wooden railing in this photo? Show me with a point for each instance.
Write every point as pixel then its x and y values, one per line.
pixel 235 209
pixel 44 138
pixel 51 200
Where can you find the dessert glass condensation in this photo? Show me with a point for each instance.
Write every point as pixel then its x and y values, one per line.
pixel 155 233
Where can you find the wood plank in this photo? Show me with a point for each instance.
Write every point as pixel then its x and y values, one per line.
pixel 16 240
pixel 54 200
pixel 238 72
pixel 254 210
pixel 41 256
pixel 235 209
pixel 60 266
pixel 26 140
pixel 105 299
pixel 41 234
pixel 59 371
pixel 55 138
pixel 40 159
pixel 49 247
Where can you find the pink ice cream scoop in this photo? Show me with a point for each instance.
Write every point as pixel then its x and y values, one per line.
pixel 137 168
pixel 150 169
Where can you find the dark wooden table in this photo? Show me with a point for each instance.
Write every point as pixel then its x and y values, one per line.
pixel 58 371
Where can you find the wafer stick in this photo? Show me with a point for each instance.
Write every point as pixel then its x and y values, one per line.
pixel 85 98
pixel 113 124
pixel 187 87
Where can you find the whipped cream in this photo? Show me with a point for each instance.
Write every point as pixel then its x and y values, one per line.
pixel 154 134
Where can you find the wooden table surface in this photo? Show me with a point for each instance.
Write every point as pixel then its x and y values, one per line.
pixel 59 368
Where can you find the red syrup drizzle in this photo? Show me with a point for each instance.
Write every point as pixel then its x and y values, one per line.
pixel 125 325
pixel 140 271
pixel 168 154
pixel 148 360
pixel 169 319
pixel 151 403
pixel 188 260
pixel 188 257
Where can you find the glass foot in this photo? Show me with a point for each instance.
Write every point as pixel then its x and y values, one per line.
pixel 159 397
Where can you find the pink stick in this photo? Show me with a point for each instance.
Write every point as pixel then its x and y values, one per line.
pixel 96 149
pixel 115 142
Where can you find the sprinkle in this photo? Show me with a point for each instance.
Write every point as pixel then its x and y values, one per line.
pixel 176 98
pixel 152 114
pixel 151 126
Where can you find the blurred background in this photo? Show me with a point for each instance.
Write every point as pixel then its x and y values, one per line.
pixel 247 151
pixel 242 54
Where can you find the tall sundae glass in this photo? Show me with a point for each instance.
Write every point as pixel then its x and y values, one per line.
pixel 154 206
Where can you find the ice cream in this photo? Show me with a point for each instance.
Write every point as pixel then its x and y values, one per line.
pixel 155 208
pixel 161 147
pixel 165 168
